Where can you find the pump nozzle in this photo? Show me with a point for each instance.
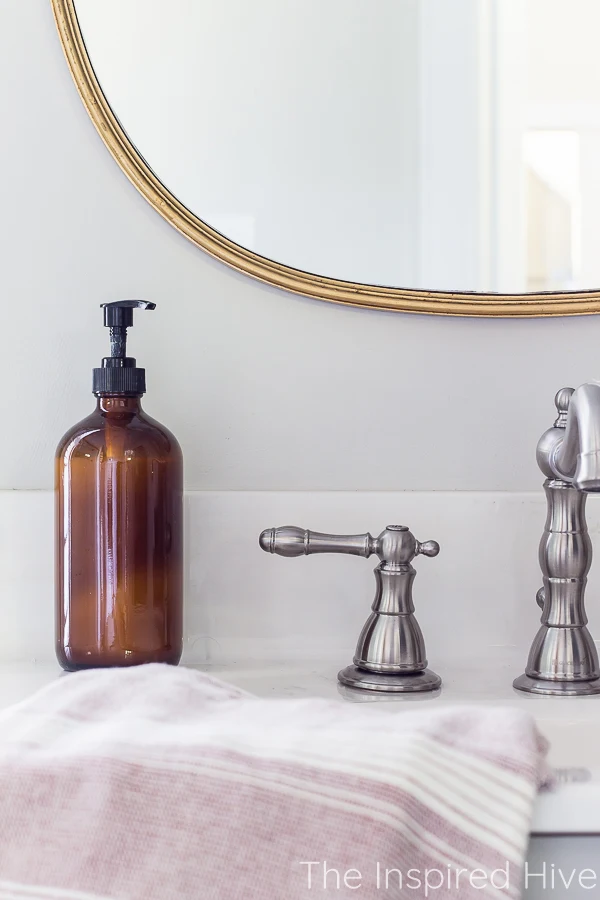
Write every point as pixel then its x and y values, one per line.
pixel 119 374
pixel 118 316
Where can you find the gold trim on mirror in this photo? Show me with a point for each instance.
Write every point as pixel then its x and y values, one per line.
pixel 402 300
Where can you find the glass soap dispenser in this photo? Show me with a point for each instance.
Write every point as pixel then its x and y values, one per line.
pixel 119 522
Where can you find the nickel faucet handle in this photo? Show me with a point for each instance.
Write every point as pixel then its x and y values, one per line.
pixel 390 654
pixel 394 546
pixel 289 540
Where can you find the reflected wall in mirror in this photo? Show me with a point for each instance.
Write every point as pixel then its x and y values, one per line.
pixel 424 146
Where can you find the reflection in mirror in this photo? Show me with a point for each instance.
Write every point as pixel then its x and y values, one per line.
pixel 430 144
pixel 553 198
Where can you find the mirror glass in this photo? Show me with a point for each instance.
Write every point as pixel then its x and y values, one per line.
pixel 430 144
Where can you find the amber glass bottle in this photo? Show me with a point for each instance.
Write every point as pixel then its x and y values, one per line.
pixel 119 528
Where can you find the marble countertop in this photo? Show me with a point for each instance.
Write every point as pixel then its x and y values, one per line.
pixel 572 725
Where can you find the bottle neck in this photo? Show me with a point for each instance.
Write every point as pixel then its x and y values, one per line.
pixel 107 403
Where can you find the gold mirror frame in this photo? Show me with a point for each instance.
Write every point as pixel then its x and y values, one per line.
pixel 446 303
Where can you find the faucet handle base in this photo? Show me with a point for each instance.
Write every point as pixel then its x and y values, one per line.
pixel 409 683
pixel 556 688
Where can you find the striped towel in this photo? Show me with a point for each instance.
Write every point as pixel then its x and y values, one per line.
pixel 158 783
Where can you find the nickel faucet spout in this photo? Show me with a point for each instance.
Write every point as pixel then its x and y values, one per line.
pixel 576 457
pixel 563 658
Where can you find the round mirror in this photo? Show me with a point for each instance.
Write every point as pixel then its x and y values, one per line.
pixel 397 154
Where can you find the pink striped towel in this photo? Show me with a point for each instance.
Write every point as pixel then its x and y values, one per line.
pixel 159 783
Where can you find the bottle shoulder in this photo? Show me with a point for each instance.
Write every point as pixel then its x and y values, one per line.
pixel 117 434
pixel 80 430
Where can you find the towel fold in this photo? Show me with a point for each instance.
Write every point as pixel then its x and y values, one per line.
pixel 156 783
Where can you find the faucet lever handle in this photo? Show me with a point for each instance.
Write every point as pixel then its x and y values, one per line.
pixel 395 546
pixel 289 540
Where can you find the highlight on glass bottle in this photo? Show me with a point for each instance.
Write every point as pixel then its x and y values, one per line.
pixel 119 522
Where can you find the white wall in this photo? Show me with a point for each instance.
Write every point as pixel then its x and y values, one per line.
pixel 265 390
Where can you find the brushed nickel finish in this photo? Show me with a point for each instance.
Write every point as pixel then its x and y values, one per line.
pixel 390 654
pixel 563 660
pixel 419 682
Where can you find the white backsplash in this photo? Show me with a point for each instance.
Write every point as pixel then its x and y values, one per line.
pixel 475 598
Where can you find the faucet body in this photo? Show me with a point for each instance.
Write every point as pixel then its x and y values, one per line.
pixel 563 659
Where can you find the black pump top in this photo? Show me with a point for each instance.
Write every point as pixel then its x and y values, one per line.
pixel 119 374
